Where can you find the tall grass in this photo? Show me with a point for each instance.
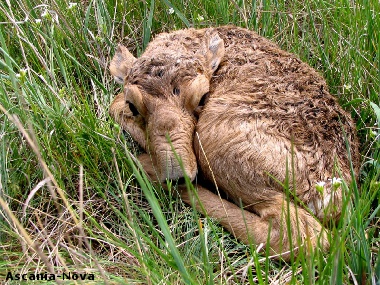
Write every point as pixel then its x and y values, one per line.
pixel 71 197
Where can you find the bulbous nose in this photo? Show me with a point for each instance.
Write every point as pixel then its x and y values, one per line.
pixel 170 135
pixel 178 167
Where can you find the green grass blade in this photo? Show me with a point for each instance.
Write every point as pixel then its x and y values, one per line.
pixel 376 109
pixel 178 13
pixel 157 211
pixel 148 24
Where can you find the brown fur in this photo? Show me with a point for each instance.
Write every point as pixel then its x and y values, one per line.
pixel 266 116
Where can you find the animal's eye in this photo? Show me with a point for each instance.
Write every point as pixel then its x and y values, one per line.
pixel 204 99
pixel 176 91
pixel 160 73
pixel 133 109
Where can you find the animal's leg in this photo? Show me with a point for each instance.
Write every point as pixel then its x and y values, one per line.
pixel 270 219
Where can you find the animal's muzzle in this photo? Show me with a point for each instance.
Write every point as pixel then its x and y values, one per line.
pixel 175 166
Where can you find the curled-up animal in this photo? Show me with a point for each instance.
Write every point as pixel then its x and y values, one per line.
pixel 246 116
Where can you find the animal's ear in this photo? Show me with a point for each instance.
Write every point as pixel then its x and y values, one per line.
pixel 212 49
pixel 121 63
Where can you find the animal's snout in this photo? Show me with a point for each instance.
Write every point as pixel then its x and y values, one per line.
pixel 178 171
pixel 170 134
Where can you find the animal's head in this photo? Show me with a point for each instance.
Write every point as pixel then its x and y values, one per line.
pixel 161 94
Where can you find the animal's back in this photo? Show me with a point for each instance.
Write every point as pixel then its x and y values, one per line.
pixel 270 112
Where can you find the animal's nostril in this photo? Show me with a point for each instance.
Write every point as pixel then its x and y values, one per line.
pixel 181 181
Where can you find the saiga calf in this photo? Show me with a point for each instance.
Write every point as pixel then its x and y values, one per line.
pixel 245 116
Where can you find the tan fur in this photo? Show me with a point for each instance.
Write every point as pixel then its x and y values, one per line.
pixel 267 118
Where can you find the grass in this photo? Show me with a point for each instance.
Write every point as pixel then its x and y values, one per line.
pixel 71 199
